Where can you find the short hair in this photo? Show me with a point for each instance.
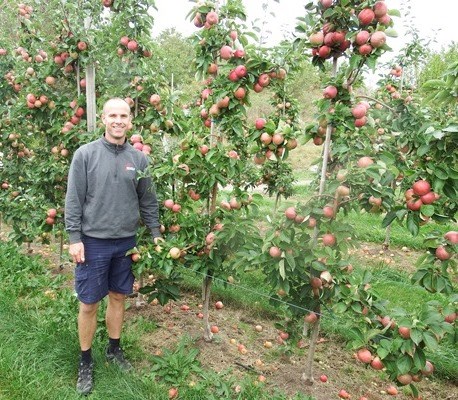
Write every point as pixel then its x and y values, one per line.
pixel 112 100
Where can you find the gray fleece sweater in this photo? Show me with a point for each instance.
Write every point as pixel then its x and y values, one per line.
pixel 105 199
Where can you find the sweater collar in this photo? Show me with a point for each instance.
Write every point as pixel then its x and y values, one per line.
pixel 115 148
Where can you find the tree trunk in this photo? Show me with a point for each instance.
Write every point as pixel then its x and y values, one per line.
pixel 386 243
pixel 61 251
pixel 307 376
pixel 139 302
pixel 206 289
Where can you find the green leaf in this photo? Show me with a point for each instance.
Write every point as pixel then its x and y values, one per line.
pixel 404 364
pixel 390 32
pixel 394 12
pixel 430 341
pixel 340 308
pixel 281 268
pixel 419 359
pixel 291 261
pixel 389 217
pixel 451 128
pixel 423 149
pixel 413 224
pixel 416 336
pixel 427 209
pixel 441 173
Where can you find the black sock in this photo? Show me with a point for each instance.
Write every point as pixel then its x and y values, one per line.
pixel 86 356
pixel 113 344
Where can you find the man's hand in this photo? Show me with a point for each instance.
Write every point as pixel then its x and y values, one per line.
pixel 76 251
pixel 158 239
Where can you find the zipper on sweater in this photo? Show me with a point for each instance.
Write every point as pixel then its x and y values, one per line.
pixel 116 163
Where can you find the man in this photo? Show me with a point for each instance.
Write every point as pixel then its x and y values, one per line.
pixel 104 203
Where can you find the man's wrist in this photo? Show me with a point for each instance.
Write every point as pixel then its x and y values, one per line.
pixel 74 237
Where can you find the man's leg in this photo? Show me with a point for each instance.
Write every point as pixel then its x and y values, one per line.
pixel 114 320
pixel 87 324
pixel 120 282
pixel 115 314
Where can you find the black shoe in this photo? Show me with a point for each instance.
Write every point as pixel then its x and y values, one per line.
pixel 85 382
pixel 116 356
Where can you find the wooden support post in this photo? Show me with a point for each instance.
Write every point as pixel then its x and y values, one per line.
pixel 91 107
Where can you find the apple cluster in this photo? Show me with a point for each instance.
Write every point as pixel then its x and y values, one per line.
pixel 137 143
pixel 66 60
pixel 60 150
pixel 51 215
pixel 206 20
pixel 273 146
pixel 39 57
pixel 332 41
pixel 420 193
pixel 128 44
pixel 25 11
pixel 396 71
pixel 231 52
pixel 74 119
pixel 235 204
pixel 359 112
pixel 18 147
pixel 446 250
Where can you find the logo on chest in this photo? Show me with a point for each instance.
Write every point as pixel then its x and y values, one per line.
pixel 129 167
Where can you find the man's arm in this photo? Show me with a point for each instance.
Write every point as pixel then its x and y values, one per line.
pixel 149 207
pixel 75 196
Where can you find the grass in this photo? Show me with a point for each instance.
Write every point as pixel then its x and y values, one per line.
pixel 39 342
pixel 369 228
pixel 39 351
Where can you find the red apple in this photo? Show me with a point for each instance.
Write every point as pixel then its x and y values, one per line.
pixel 428 198
pixel 226 52
pixel 364 355
pixel 364 162
pixel 260 123
pixel 330 92
pixel 421 187
pixel 377 364
pixel 378 39
pixel 343 394
pixel 311 318
pixel 391 390
pixel 404 332
pixel 404 379
pixel 275 252
pixel 380 9
pixel 452 237
pixel 366 16
pixel 362 37
pixel 329 239
pixel 173 393
pixel 290 213
pixel 442 253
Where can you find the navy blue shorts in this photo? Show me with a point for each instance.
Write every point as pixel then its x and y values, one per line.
pixel 106 268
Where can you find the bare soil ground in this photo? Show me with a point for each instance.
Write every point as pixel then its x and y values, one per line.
pixel 237 326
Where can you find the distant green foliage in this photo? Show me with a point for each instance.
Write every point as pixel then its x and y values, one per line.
pixel 437 64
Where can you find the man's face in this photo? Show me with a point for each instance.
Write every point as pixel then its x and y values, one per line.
pixel 117 120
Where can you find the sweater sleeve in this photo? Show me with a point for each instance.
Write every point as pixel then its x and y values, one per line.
pixel 149 207
pixel 75 196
